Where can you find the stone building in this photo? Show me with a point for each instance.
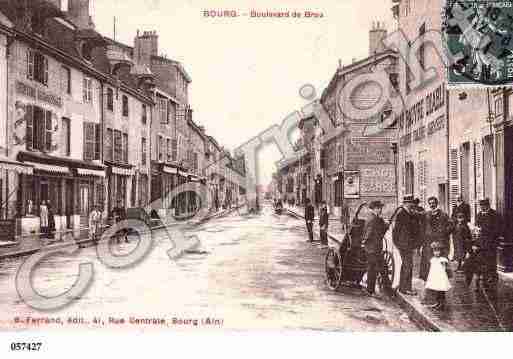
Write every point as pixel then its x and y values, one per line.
pixel 423 129
pixel 358 164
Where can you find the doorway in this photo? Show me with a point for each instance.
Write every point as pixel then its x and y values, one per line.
pixel 442 196
pixel 70 200
pixel 84 204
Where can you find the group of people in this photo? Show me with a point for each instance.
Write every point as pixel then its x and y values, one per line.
pixel 323 221
pixel 428 233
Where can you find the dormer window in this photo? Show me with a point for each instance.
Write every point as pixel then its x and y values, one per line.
pixel 87 50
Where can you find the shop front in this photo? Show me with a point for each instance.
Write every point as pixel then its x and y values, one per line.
pixel 68 188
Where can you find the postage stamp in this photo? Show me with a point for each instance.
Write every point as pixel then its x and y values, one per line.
pixel 477 35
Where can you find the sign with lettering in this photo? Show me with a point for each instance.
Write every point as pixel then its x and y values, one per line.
pixel 368 150
pixel 39 94
pixel 351 184
pixel 378 180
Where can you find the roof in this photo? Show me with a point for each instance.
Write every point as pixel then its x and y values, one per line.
pixel 175 63
pixel 354 66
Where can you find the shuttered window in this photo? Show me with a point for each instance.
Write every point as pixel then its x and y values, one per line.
pixel 37 67
pixel 125 148
pixel 174 149
pixel 90 141
pixel 454 175
pixel 39 129
pixel 168 149
pixel 118 147
pixel 108 145
pixel 87 90
pixel 143 151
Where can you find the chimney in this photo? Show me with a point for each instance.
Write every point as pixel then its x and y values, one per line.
pixel 80 14
pixel 145 46
pixel 376 35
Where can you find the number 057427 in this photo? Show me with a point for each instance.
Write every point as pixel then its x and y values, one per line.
pixel 26 346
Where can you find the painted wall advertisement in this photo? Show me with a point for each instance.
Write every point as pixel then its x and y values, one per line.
pixel 377 180
pixel 368 150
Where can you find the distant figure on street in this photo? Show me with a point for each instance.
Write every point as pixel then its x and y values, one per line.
pixel 404 236
pixel 309 218
pixel 461 207
pixel 490 229
pixel 43 216
pixel 323 223
pixel 372 241
pixel 94 223
pixel 438 279
pixel 51 221
pixel 119 214
pixel 438 229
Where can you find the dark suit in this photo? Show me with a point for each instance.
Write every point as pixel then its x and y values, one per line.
pixel 309 218
pixel 438 228
pixel 405 237
pixel 462 208
pixel 491 229
pixel 373 234
pixel 323 223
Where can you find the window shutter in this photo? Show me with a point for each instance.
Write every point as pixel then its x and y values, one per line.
pixel 98 139
pixel 45 71
pixel 174 145
pixel 89 141
pixel 84 89
pixel 30 64
pixel 48 131
pixel 454 176
pixel 478 149
pixel 29 120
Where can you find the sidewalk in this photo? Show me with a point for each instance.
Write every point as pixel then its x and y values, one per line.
pixel 467 310
pixel 31 244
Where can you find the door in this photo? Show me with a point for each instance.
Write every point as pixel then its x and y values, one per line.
pixel 442 196
pixel 84 204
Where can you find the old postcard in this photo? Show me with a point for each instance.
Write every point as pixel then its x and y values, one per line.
pixel 186 165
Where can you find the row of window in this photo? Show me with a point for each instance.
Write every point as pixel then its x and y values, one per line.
pixel 167 150
pixel 37 70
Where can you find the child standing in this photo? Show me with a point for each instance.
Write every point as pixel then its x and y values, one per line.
pixel 461 238
pixel 438 278
pixel 473 264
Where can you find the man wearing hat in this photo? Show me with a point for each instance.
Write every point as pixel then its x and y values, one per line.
pixel 309 218
pixel 490 229
pixel 323 223
pixel 438 229
pixel 372 241
pixel 404 236
pixel 461 207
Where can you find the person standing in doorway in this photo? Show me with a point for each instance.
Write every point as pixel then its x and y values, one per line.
pixel 43 216
pixel 94 224
pixel 323 223
pixel 309 218
pixel 404 236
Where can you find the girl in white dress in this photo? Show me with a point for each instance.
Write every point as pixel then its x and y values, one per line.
pixel 438 279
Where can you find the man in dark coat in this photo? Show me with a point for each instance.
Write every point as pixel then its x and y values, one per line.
pixel 490 229
pixel 461 207
pixel 438 228
pixel 309 218
pixel 404 236
pixel 323 223
pixel 372 241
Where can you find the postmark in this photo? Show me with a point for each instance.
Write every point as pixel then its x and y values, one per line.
pixel 478 34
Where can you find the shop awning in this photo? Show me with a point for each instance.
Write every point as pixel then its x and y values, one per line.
pixel 122 171
pixel 18 167
pixel 170 170
pixel 49 168
pixel 88 172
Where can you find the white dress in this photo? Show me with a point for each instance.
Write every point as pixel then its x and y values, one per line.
pixel 437 278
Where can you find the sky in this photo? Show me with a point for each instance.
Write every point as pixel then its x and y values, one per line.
pixel 246 72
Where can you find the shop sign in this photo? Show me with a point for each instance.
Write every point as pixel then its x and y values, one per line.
pixel 351 184
pixel 368 150
pixel 38 94
pixel 378 180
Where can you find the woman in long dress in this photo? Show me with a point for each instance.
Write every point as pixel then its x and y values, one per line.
pixel 43 216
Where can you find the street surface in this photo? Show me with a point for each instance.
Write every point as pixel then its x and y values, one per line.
pixel 250 272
